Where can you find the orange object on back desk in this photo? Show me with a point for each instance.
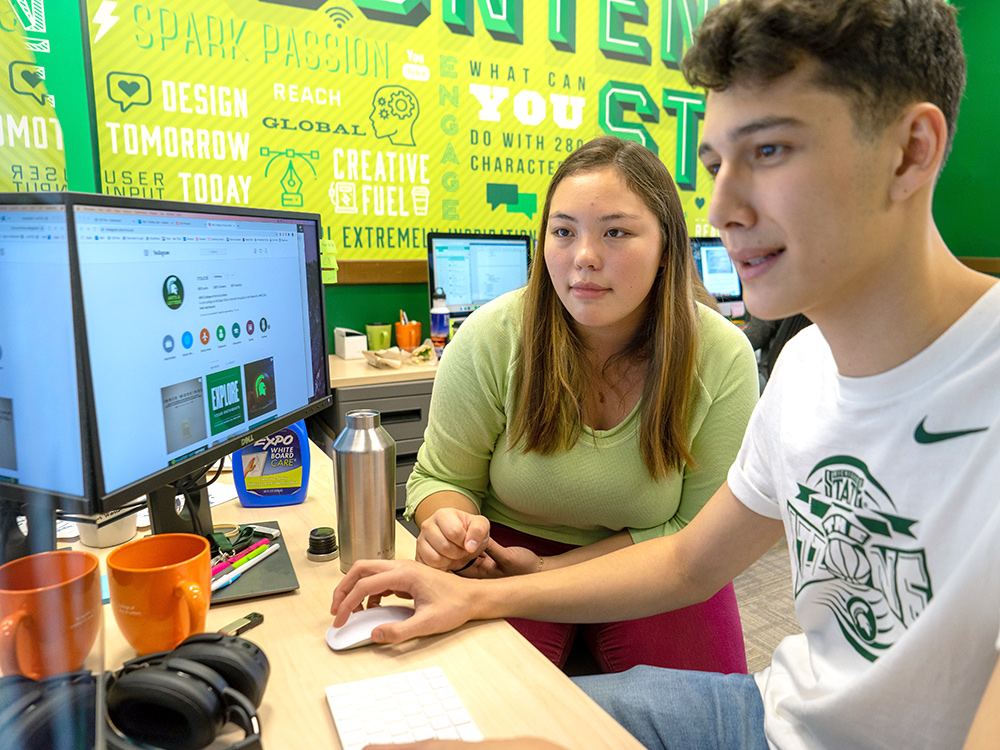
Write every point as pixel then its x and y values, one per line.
pixel 408 335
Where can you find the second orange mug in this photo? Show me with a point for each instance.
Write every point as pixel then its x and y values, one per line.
pixel 408 335
pixel 50 612
pixel 160 589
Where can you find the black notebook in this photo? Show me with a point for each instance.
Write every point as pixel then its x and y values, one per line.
pixel 275 575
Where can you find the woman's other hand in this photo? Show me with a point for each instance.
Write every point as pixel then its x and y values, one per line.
pixel 451 539
pixel 498 561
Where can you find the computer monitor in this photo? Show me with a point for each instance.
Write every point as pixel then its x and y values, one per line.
pixel 473 269
pixel 716 269
pixel 43 464
pixel 199 329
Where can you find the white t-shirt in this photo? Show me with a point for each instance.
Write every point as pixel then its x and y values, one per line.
pixel 889 490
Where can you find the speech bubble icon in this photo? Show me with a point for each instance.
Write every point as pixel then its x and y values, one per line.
pixel 527 204
pixel 28 79
pixel 498 194
pixel 129 89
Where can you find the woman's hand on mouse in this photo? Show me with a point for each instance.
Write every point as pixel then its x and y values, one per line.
pixel 451 539
pixel 441 601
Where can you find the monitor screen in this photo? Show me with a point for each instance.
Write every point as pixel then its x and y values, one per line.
pixel 716 269
pixel 473 269
pixel 41 445
pixel 205 330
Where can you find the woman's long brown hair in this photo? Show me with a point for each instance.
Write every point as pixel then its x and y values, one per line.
pixel 551 372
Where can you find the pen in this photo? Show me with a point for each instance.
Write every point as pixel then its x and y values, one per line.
pixel 228 562
pixel 231 576
pixel 244 559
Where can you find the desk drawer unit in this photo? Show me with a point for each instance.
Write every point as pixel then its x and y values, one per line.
pixel 403 408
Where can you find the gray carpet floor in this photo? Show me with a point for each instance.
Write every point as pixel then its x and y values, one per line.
pixel 764 596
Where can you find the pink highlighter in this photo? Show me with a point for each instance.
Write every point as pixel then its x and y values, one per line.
pixel 227 564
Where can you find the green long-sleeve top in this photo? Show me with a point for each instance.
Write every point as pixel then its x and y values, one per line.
pixel 599 486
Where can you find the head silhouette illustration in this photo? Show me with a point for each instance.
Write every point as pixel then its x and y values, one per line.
pixel 394 110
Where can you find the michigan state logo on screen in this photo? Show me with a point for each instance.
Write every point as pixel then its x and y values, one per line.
pixel 855 555
pixel 173 292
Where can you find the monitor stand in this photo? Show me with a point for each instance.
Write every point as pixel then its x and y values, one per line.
pixel 195 517
pixel 40 511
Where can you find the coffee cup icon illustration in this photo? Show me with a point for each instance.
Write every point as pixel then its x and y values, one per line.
pixel 421 197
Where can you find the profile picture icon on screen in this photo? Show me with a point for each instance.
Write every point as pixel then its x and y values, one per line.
pixel 173 292
pixel 259 379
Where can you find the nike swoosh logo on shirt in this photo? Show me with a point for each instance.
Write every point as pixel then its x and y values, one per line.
pixel 921 435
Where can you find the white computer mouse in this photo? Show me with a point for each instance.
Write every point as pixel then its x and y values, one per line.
pixel 357 631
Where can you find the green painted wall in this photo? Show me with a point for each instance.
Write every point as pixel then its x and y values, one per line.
pixel 968 189
pixel 356 306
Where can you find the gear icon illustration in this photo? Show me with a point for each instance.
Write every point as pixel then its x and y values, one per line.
pixel 402 104
pixel 394 111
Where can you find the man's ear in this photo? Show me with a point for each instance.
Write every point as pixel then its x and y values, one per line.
pixel 921 134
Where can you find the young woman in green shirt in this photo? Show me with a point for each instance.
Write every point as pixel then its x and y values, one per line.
pixel 598 407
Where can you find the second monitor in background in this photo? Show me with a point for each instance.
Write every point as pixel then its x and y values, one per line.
pixel 719 275
pixel 473 269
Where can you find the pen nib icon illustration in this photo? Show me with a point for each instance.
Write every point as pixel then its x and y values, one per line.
pixel 291 182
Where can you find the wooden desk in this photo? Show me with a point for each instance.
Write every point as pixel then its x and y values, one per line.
pixel 509 688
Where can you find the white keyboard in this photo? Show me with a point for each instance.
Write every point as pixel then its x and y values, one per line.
pixel 406 707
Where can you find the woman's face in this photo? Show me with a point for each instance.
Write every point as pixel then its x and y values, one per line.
pixel 602 251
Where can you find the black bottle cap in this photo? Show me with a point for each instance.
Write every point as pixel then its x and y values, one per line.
pixel 323 544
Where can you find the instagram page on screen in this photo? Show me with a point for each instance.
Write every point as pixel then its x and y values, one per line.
pixel 200 305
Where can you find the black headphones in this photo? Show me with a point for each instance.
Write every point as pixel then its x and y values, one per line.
pixel 174 700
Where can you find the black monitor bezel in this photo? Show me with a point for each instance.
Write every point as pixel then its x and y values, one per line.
pixel 97 499
pixel 696 245
pixel 431 271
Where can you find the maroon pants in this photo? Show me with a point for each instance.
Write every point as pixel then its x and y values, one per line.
pixel 707 637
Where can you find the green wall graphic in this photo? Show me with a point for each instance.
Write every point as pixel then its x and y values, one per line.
pixel 46 127
pixel 31 139
pixel 389 118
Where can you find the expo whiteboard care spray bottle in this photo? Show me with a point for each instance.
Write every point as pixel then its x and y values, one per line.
pixel 274 470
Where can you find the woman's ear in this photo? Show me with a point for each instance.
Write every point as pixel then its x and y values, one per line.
pixel 921 137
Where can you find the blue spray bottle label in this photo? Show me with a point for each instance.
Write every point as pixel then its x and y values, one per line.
pixel 274 470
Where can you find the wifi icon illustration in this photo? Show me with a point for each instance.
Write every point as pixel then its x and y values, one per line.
pixel 339 16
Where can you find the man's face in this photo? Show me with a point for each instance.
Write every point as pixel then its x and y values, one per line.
pixel 800 197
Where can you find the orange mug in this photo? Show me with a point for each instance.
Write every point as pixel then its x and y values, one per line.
pixel 160 588
pixel 408 335
pixel 50 603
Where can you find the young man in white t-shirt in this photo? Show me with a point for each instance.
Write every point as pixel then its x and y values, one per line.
pixel 876 446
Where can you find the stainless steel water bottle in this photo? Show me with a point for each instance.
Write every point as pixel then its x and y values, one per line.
pixel 365 473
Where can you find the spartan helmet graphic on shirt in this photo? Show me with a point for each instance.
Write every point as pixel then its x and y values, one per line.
pixel 855 555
